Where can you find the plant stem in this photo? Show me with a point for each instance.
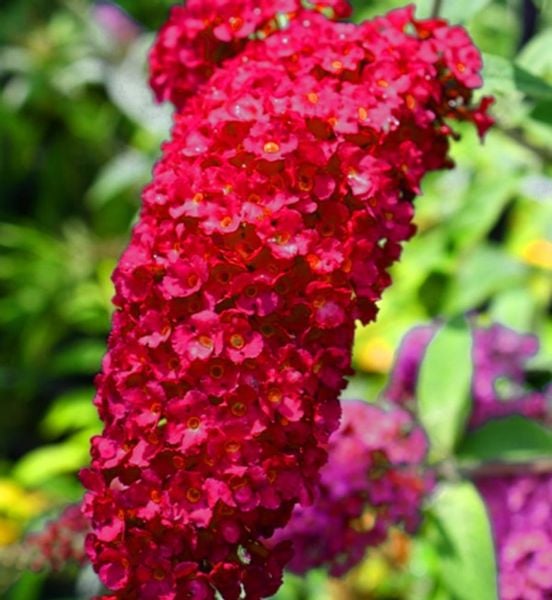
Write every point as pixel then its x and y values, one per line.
pixel 437 5
pixel 529 24
pixel 453 471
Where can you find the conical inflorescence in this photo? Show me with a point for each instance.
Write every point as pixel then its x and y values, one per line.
pixel 279 203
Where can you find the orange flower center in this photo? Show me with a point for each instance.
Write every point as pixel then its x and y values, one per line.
pixel 275 395
pixel 193 495
pixel 271 148
pixel 193 423
pixel 226 221
pixel 237 341
pixel 238 409
pixel 206 341
pixel 312 97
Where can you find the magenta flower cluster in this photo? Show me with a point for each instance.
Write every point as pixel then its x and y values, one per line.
pixel 275 211
pixel 520 508
pixel 374 479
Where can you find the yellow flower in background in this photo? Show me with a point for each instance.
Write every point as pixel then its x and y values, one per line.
pixel 538 253
pixel 380 566
pixel 9 532
pixel 371 574
pixel 17 507
pixel 373 354
pixel 17 502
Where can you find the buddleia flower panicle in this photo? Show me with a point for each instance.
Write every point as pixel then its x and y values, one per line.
pixel 275 211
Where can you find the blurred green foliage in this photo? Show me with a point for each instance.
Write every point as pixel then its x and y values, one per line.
pixel 78 136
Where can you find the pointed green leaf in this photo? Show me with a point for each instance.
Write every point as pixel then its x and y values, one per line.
pixel 481 274
pixel 46 462
pixel 467 554
pixel 502 76
pixel 71 411
pixel 443 388
pixel 510 439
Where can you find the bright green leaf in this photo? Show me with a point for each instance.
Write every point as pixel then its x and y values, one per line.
pixel 502 76
pixel 514 308
pixel 481 274
pixel 443 389
pixel 480 211
pixel 452 10
pixel 468 563
pixel 45 462
pixel 536 56
pixel 70 412
pixel 28 587
pixel 510 439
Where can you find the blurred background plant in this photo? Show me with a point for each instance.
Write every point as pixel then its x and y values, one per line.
pixel 79 133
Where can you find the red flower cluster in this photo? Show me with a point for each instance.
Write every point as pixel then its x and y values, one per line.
pixel 373 480
pixel 198 37
pixel 274 213
pixel 60 542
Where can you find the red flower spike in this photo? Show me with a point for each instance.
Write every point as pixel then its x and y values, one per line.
pixel 277 208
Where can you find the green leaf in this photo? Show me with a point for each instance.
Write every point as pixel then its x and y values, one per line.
pixel 443 389
pixel 511 439
pixel 482 274
pixel 28 587
pixel 452 10
pixel 531 85
pixel 127 171
pixel 543 112
pixel 514 308
pixel 468 563
pixel 481 209
pixel 128 90
pixel 70 412
pixel 502 76
pixel 536 56
pixel 46 462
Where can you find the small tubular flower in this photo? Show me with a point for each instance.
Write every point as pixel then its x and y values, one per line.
pixel 274 213
pixel 374 479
